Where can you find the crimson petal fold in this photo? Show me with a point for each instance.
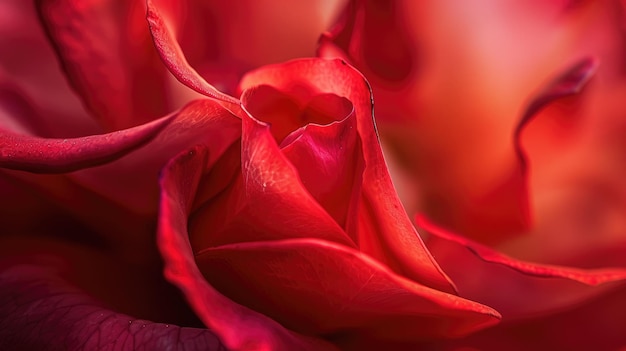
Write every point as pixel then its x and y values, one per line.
pixel 388 234
pixel 497 280
pixel 226 318
pixel 172 55
pixel 39 155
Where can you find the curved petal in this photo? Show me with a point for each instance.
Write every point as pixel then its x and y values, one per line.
pixel 267 184
pixel 138 190
pixel 238 327
pixel 346 292
pixel 329 162
pixel 44 305
pixel 388 234
pixel 222 41
pixel 570 82
pixel 377 21
pixel 173 57
pixel 451 119
pixel 119 200
pixel 317 135
pixel 40 155
pixel 594 325
pixel 498 280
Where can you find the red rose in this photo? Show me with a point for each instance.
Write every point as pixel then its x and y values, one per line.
pixel 278 221
pixel 510 151
pixel 298 219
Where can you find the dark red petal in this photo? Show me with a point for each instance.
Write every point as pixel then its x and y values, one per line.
pixel 594 325
pixel 508 284
pixel 238 327
pixel 173 57
pixel 46 199
pixel 31 83
pixel 40 155
pixel 119 200
pixel 374 40
pixel 570 82
pixel 107 53
pixel 41 310
pixel 387 232
pixel 322 288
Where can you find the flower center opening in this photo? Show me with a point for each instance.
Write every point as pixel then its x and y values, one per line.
pixel 288 114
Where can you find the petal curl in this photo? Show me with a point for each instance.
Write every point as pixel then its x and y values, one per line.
pixel 266 191
pixel 238 327
pixel 602 318
pixel 170 51
pixel 317 135
pixel 388 234
pixel 452 123
pixel 41 155
pixel 322 288
pixel 190 126
pixel 498 280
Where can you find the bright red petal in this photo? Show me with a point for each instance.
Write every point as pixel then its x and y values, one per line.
pixel 387 232
pixel 318 135
pixel 138 190
pixel 238 327
pixel 322 288
pixel 267 190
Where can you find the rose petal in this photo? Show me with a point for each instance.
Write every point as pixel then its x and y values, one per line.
pixel 318 135
pixel 65 155
pixel 450 122
pixel 31 82
pixel 377 21
pixel 570 82
pixel 502 282
pixel 330 166
pixel 121 205
pixel 238 327
pixel 322 288
pixel 42 308
pixel 266 184
pixel 107 53
pixel 595 325
pixel 388 235
pixel 173 57
pixel 138 190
